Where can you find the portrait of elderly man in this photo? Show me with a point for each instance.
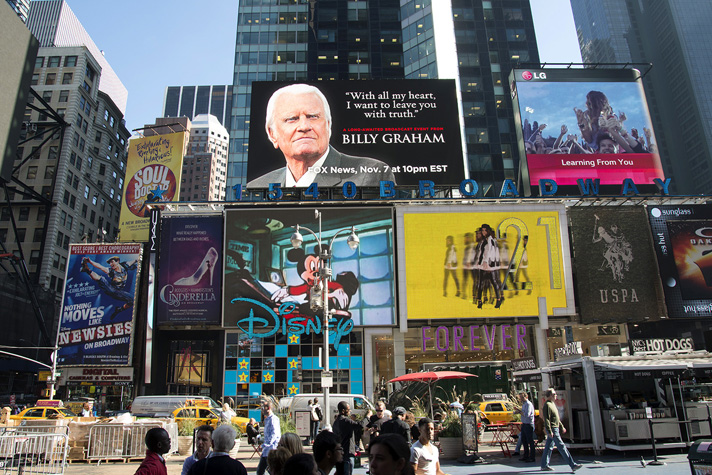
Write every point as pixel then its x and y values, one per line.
pixel 298 123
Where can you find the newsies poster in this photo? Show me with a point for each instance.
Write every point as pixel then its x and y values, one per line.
pixel 682 237
pixel 99 305
pixel 355 131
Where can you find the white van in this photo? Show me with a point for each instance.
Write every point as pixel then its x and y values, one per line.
pixel 163 406
pixel 300 413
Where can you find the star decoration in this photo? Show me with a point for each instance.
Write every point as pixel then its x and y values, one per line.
pixel 293 363
pixel 293 338
pixel 293 389
pixel 158 193
pixel 244 364
pixel 242 377
pixel 268 377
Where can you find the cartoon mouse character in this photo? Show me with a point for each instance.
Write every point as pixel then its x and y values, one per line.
pixel 341 289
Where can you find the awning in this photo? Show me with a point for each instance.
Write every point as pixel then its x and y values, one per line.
pixel 640 369
pixel 527 375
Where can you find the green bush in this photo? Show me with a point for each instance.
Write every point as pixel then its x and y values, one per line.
pixel 186 427
pixel 452 425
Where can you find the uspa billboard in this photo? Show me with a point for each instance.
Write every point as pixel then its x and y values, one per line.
pixel 190 270
pixel 266 279
pixel 333 132
pixel 153 174
pixel 483 261
pixel 616 276
pixel 98 305
pixel 682 236
pixel 584 124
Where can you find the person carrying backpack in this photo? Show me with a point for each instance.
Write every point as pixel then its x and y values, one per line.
pixel 316 417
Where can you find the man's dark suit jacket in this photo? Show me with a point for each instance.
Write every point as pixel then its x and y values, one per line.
pixel 347 169
pixel 218 465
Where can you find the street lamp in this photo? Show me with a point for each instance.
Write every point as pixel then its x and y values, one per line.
pixel 320 291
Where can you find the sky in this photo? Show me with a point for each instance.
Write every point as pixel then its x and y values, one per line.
pixel 159 43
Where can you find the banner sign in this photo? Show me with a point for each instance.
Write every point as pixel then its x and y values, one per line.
pixel 662 345
pixel 484 261
pixel 570 349
pixel 522 364
pixel 269 285
pixel 584 124
pixel 400 131
pixel 98 305
pixel 153 174
pixel 97 375
pixel 190 271
pixel 682 237
pixel 616 275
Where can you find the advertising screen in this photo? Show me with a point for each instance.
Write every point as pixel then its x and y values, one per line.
pixel 682 236
pixel 190 270
pixel 484 261
pixel 153 174
pixel 402 131
pixel 585 124
pixel 616 276
pixel 98 306
pixel 270 281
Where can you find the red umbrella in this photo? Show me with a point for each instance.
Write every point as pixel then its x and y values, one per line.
pixel 430 377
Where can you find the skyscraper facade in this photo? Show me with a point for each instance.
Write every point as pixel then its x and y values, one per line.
pixel 205 163
pixel 672 35
pixel 21 7
pixel 190 101
pixel 475 42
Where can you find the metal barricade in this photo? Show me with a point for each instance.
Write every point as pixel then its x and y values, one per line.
pixel 33 453
pixel 124 441
pixel 37 427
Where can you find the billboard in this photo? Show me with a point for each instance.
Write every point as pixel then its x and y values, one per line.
pixel 403 131
pixel 616 275
pixel 584 124
pixel 483 261
pixel 153 174
pixel 190 271
pixel 98 305
pixel 682 236
pixel 268 283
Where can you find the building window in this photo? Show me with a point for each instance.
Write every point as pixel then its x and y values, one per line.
pixel 70 61
pixel 39 62
pixel 86 86
pixel 31 172
pixel 34 257
pixel 21 234
pixel 47 96
pixel 51 79
pixel 54 61
pixel 53 152
pixel 24 213
pixel 35 79
pixel 90 73
pixel 63 96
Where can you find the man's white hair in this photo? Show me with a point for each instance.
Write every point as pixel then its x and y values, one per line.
pixel 224 438
pixel 296 89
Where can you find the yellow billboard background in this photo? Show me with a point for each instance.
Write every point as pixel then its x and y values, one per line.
pixel 153 175
pixel 537 272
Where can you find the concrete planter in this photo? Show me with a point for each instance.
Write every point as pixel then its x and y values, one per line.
pixel 451 447
pixel 185 444
pixel 235 449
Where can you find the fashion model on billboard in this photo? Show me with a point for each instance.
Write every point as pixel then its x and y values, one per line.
pixel 450 265
pixel 114 283
pixel 298 123
pixel 488 263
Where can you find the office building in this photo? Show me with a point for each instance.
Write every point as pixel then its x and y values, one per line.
pixel 190 101
pixel 674 37
pixel 205 162
pixel 21 7
pixel 475 42
pixel 54 24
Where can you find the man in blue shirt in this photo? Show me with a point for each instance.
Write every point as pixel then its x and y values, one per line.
pixel 527 433
pixel 203 441
pixel 271 436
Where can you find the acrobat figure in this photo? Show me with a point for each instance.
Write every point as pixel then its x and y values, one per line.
pixel 618 254
pixel 488 263
pixel 113 286
pixel 450 265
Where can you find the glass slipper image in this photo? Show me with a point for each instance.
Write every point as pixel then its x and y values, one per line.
pixel 207 265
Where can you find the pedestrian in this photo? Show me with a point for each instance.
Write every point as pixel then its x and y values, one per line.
pixel 348 432
pixel 424 456
pixel 277 459
pixel 554 428
pixel 397 425
pixel 376 421
pixel 389 455
pixel 291 442
pixel 271 435
pixel 457 405
pixel 203 443
pixel 219 461
pixel 301 464
pixel 316 416
pixel 327 452
pixel 158 442
pixel 527 432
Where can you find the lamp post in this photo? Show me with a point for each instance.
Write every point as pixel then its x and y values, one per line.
pixel 320 291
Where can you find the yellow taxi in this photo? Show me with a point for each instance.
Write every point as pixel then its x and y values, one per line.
pixel 199 412
pixel 48 409
pixel 496 412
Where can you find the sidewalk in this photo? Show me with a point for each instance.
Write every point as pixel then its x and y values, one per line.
pixel 608 463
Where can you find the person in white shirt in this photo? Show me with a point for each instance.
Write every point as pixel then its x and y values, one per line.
pixel 424 456
pixel 450 265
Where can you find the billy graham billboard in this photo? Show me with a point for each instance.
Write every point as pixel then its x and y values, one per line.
pixel 584 124
pixel 682 237
pixel 483 261
pixel 333 132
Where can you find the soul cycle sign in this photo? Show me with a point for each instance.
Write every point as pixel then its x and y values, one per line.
pixel 288 319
